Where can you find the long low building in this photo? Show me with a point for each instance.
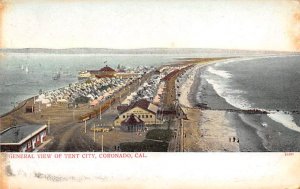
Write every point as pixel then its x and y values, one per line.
pixel 22 138
pixel 143 109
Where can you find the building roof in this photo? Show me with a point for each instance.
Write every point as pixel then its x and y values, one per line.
pixel 142 103
pixel 132 120
pixel 19 134
pixel 121 71
pixel 122 108
pixel 103 76
pixel 107 69
pixel 153 108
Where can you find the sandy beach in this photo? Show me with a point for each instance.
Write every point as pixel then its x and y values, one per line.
pixel 204 130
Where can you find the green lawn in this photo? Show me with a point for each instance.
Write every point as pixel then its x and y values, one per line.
pixel 160 134
pixel 145 146
pixel 148 145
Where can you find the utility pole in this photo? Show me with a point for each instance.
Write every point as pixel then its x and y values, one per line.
pixel 102 142
pixel 181 127
pixel 94 132
pixel 33 107
pixel 182 135
pixel 100 114
pixel 49 125
pixel 162 114
pixel 110 104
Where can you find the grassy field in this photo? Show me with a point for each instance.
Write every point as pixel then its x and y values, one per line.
pixel 157 140
pixel 160 134
pixel 145 146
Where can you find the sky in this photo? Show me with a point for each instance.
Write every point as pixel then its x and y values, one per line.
pixel 129 24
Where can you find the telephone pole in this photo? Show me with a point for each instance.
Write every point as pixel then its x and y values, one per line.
pixel 49 125
pixel 94 132
pixel 100 114
pixel 102 142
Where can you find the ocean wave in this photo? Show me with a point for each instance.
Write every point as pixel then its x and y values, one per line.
pixel 231 96
pixel 234 98
pixel 220 63
pixel 244 118
pixel 285 119
pixel 221 73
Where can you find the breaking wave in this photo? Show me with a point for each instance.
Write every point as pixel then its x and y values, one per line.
pixel 231 96
pixel 285 119
pixel 220 73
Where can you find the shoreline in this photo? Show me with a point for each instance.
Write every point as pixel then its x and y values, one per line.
pixel 212 129
pixel 205 130
pixel 255 129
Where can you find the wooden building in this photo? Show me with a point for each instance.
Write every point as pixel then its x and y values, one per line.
pixel 22 138
pixel 170 91
pixel 170 97
pixel 103 72
pixel 143 109
pixel 125 75
pixel 132 124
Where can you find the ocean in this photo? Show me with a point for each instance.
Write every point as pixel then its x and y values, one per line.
pixel 271 84
pixel 18 84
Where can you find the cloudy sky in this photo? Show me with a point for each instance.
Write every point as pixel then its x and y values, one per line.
pixel 234 24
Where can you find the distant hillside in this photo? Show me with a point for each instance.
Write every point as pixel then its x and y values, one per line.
pixel 139 51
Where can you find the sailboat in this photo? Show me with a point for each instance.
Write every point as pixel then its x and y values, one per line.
pixel 22 67
pixel 56 77
pixel 26 69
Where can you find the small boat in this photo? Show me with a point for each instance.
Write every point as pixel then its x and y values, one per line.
pixel 56 77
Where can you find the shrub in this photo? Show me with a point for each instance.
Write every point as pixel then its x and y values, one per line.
pixel 145 146
pixel 160 134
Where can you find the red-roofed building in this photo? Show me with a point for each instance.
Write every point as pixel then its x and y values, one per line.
pixel 122 108
pixel 103 72
pixel 170 88
pixel 170 92
pixel 142 103
pixel 143 109
pixel 132 124
pixel 107 69
pixel 23 138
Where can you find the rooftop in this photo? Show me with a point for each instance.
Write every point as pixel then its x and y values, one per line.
pixel 18 133
pixel 107 69
pixel 132 120
pixel 142 103
pixel 122 108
